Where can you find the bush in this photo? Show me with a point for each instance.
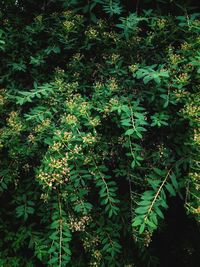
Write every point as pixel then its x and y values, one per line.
pixel 99 127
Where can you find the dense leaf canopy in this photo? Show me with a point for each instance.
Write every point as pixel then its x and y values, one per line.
pixel 99 108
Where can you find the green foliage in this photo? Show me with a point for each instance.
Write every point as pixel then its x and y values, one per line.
pixel 152 201
pixel 37 92
pixel 112 7
pixel 60 237
pixel 99 109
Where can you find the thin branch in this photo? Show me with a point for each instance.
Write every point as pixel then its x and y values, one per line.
pixel 157 194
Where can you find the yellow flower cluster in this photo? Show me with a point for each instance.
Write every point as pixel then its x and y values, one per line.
pixel 56 146
pixel 136 39
pixel 44 197
pixel 67 136
pixel 110 35
pixel 188 67
pixel 31 138
pixel 197 136
pixel 83 107
pixel 180 93
pixel 59 71
pixel 89 139
pixel 94 121
pixel 161 23
pixel 42 126
pixel 79 18
pixel 59 82
pixel 67 13
pixel 182 78
pixel 192 110
pixel 115 58
pixel 150 36
pixel 133 68
pixel 59 163
pixel 175 58
pixel 185 46
pixel 90 243
pixel 98 86
pixel 197 40
pixel 70 104
pixel 68 25
pixel 113 102
pixel 112 83
pixel 77 57
pixel 78 224
pixel 47 178
pixel 64 136
pixel 121 140
pixel 78 104
pixel 77 149
pixel 58 172
pixel 1 100
pixel 147 238
pixel 14 122
pixel 88 159
pixel 69 119
pixel 96 259
pixel 195 176
pixel 91 33
pixel 2 97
